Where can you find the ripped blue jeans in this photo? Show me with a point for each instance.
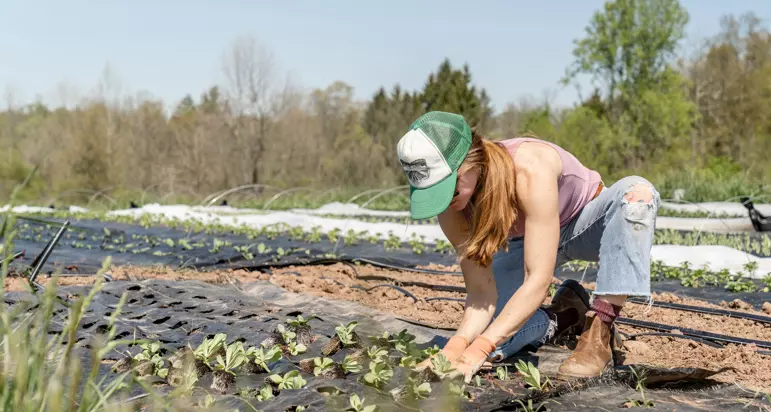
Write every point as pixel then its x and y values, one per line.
pixel 610 230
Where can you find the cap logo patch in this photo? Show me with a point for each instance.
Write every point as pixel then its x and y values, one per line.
pixel 417 170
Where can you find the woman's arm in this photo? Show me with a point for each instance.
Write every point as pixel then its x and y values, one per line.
pixel 481 292
pixel 538 167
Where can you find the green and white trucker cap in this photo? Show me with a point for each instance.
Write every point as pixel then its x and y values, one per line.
pixel 431 153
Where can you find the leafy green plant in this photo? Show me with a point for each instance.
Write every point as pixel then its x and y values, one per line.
pixel 413 389
pixel 295 348
pixel 216 245
pixel 532 376
pixel 442 246
pixel 378 375
pixel 350 365
pixel 290 380
pixel 322 364
pixel 261 357
pixel 393 242
pixel 224 376
pixel 643 402
pixel 442 366
pixel 357 405
pixel 502 373
pixel 244 250
pixel 377 353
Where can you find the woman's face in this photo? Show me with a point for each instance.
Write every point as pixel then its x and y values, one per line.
pixel 464 188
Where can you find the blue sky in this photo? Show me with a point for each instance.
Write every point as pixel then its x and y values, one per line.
pixel 169 48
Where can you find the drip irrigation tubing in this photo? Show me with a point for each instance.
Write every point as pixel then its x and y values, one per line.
pixel 693 332
pixel 676 336
pixel 386 285
pixel 709 311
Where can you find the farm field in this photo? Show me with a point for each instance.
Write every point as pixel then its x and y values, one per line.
pixel 319 314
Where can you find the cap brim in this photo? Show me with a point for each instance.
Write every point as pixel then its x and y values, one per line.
pixel 432 201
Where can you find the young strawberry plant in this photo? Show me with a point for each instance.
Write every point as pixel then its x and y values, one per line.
pixel 532 376
pixel 280 336
pixel 350 365
pixel 412 390
pixel 327 368
pixel 442 366
pixel 259 358
pixel 344 337
pixel 378 375
pixel 357 405
pixel 294 349
pixel 302 329
pixel 224 375
pixel 206 351
pixel 290 380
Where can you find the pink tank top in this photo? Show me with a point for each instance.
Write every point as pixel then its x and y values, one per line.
pixel 577 185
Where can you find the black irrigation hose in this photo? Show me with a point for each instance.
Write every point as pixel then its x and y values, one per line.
pixel 710 311
pixel 397 267
pixel 386 285
pixel 444 298
pixel 675 335
pixel 442 288
pixel 693 332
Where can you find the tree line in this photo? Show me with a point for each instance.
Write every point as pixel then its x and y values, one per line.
pixel 701 121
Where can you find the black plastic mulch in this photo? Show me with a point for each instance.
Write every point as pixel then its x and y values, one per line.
pixel 181 313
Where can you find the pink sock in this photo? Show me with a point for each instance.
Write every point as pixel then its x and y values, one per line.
pixel 606 311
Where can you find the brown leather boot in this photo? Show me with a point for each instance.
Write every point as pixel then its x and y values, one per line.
pixel 568 307
pixel 592 354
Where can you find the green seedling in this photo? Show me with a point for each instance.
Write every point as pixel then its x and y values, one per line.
pixel 301 328
pixel 322 364
pixel 262 249
pixel 224 375
pixel 376 353
pixel 290 380
pixel 357 405
pixel 393 242
pixel 314 236
pixel 532 375
pixel 209 348
pixel 216 245
pixel 262 357
pixel 295 348
pixel 379 374
pixel 350 365
pixel 266 393
pixel 442 366
pixel 411 390
pixel 185 244
pixel 244 250
pixel 502 373
pixel 333 235
pixel 643 402
pixel 351 237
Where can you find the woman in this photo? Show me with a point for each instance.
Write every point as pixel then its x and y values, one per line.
pixel 514 210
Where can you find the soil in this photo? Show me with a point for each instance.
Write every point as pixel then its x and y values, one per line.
pixel 339 281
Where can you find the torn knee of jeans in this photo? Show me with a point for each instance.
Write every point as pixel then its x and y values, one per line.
pixel 638 205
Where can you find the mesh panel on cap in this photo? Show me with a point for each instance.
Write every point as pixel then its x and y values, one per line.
pixel 450 133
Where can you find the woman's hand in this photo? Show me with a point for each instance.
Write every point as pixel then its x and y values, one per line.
pixel 452 350
pixel 472 358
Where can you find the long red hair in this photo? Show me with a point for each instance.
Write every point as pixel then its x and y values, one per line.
pixel 494 199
